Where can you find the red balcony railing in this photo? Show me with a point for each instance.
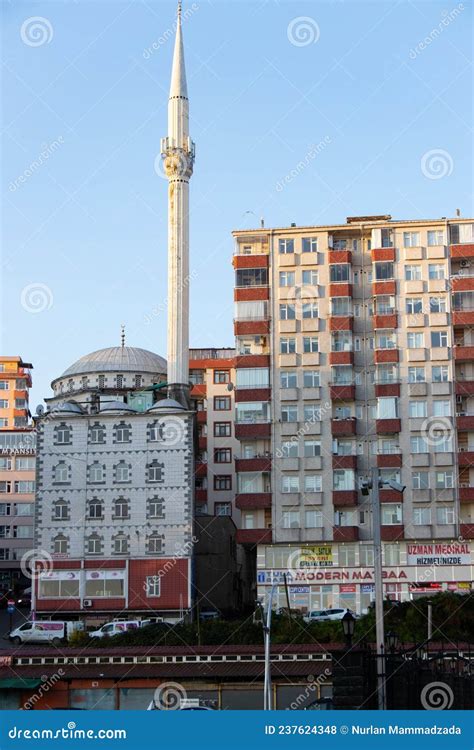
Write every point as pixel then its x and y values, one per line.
pixel 466 494
pixel 345 533
pixel 344 426
pixel 343 498
pixel 388 426
pixel 344 462
pixel 466 458
pixel 252 537
pixel 253 500
pixel 392 533
pixel 389 460
pixel 342 392
pixel 259 463
pixel 465 423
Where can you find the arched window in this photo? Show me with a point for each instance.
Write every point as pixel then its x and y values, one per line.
pixel 96 508
pixel 62 434
pixel 61 510
pixel 138 381
pixel 155 508
pixel 123 472
pixel 154 544
pixel 96 473
pixel 121 508
pixel 122 433
pixel 119 381
pixel 60 544
pixel 120 545
pixel 155 471
pixel 94 545
pixel 97 433
pixel 61 472
pixel 155 432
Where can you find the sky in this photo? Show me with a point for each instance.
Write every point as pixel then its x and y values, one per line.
pixel 303 112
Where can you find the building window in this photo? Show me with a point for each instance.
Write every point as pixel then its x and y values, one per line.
pixel 341 306
pixel 24 464
pixel 420 480
pixel 444 480
pixel 310 278
pixel 438 305
pixel 96 508
pixel 439 339
pixel 60 545
pixel 287 345
pixel 223 509
pixel 391 514
pixel 122 433
pixel 342 375
pixel 414 305
pixel 154 544
pixel 289 449
pixel 62 434
pixel 61 473
pixel 435 237
pixel 339 272
pixel 155 508
pixel 310 310
pixel 153 585
pixel 288 379
pixel 443 443
pixel 120 545
pixel 155 472
pixel 287 278
pixel 445 515
pixel 415 340
pixel 436 271
pixel 289 413
pixel 24 487
pixel 290 519
pixel 138 381
pixel 119 381
pixel 383 271
pixel 310 344
pixel 440 373
pixel 313 483
pixel 154 432
pixel 416 375
pixel 251 277
pixel 312 448
pixel 418 444
pixel 421 516
pixel 310 244
pixel 121 509
pixel 94 545
pixel 222 429
pixel 412 272
pixel 286 246
pixel 221 376
pixel 343 480
pixel 222 482
pixel 123 472
pixel 222 456
pixel 441 408
pixel 411 239
pixel 312 413
pixel 96 473
pixel 4 385
pixel 287 312
pixel 221 403
pixel 60 511
pixel 311 379
pixel 101 380
pixel 290 483
pixel 417 409
pixel 97 433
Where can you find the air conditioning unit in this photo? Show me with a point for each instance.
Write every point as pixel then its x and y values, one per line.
pixel 87 602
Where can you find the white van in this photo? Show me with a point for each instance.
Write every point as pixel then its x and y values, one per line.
pixel 44 631
pixel 116 627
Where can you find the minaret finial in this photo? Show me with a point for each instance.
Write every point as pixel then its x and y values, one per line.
pixel 122 334
pixel 179 11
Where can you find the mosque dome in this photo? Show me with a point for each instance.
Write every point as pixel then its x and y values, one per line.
pixel 118 359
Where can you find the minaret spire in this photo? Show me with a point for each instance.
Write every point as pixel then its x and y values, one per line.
pixel 177 150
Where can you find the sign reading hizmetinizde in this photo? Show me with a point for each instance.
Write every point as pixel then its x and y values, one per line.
pixel 438 554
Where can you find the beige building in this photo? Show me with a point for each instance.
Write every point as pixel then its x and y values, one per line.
pixel 354 349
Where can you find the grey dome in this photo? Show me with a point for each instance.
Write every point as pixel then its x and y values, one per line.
pixel 167 404
pixel 118 359
pixel 66 407
pixel 117 406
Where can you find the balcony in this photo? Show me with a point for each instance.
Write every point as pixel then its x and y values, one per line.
pixel 339 256
pixel 462 283
pixel 200 496
pixel 344 498
pixel 251 327
pixel 253 360
pixel 344 462
pixel 202 442
pixel 465 387
pixel 464 353
pixel 340 427
pixel 340 290
pixel 390 496
pixel 258 463
pixel 251 293
pixel 250 261
pixel 467 530
pixel 200 469
pixel 392 533
pixel 465 457
pixel 465 422
pixel 341 358
pixel 252 537
pixel 343 392
pixel 463 317
pixel 389 460
pixel 345 533
pixel 386 356
pixel 462 251
pixel 383 254
pixel 387 389
pixel 341 323
pixel 253 500
pixel 466 494
pixel 386 321
pixel 201 416
pixel 252 430
pixel 384 287
pixel 388 426
pixel 252 394
pixel 198 390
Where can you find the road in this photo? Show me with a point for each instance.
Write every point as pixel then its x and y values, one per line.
pixel 20 616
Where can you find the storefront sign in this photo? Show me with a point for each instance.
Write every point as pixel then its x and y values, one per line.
pixel 415 574
pixel 347 588
pixel 316 557
pixel 299 589
pixel 367 588
pixel 438 554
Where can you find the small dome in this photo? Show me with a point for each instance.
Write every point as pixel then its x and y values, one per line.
pixel 117 406
pixel 66 407
pixel 167 404
pixel 118 359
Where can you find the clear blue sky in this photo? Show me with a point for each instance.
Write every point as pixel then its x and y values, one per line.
pixel 89 223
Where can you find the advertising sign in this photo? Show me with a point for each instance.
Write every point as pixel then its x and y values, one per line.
pixel 316 557
pixel 456 553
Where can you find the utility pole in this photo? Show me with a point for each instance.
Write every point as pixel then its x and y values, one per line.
pixel 378 586
pixel 267 685
pixel 430 620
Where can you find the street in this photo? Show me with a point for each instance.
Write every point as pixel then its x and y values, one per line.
pixel 20 616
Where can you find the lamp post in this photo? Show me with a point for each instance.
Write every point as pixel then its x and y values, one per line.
pixel 266 625
pixel 348 626
pixel 392 641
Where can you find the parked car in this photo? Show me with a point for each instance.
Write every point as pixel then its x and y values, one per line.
pixel 44 631
pixel 209 614
pixel 325 615
pixel 24 599
pixel 115 628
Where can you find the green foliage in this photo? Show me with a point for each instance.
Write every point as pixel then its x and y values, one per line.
pixel 78 639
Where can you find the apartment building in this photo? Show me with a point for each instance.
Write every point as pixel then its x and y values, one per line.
pixel 354 349
pixel 17 471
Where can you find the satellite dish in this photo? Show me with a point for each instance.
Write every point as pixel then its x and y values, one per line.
pixel 230 386
pixel 40 410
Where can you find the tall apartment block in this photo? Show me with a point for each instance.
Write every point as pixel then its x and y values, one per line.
pixel 17 471
pixel 355 348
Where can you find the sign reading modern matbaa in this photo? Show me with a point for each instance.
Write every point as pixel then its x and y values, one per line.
pixel 439 554
pixel 316 557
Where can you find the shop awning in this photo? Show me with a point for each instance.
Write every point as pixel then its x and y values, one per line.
pixel 17 683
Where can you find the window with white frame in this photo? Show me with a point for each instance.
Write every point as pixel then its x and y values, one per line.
pixel 62 434
pixel 387 407
pixel 96 473
pixel 286 246
pixel 440 373
pixel 313 483
pixel 385 304
pixel 290 519
pixel 61 472
pixel 121 508
pixel 310 344
pixel 415 340
pixel 420 480
pixel 436 271
pixel 97 433
pixel 310 244
pixel 439 339
pixel 411 239
pixel 289 413
pixel 290 483
pixel 341 306
pixel 412 272
pixel 311 378
pixel 445 515
pixel 289 448
pixel 288 379
pixel 386 340
pixel 312 413
pixel 287 345
pixel 153 585
pixel 155 471
pixel 60 544
pixel 391 554
pixel 313 519
pixel 287 278
pixel 387 373
pixel 123 472
pixel 384 271
pixel 391 514
pixel 421 516
pixel 438 305
pixel 416 375
pixel 310 278
pixel 94 545
pixel 312 448
pixel 418 444
pixel 155 507
pixel 154 544
pixel 442 441
pixel 417 409
pixel 340 272
pixel 122 433
pixel 309 310
pixel 253 377
pixel 120 542
pixel 414 305
pixel 61 510
pixel 96 508
pixel 343 479
pixel 287 311
pixel 442 408
pixel 444 480
pixel 435 237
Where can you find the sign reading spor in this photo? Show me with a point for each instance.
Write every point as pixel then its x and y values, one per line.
pixel 438 554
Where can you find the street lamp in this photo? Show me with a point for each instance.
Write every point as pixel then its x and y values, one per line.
pixel 348 626
pixel 392 641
